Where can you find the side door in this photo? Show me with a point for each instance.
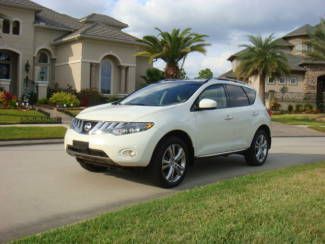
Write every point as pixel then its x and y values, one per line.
pixel 241 116
pixel 213 128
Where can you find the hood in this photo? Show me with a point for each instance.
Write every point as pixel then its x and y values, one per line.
pixel 127 113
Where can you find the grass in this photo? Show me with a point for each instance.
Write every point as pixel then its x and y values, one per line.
pixel 71 112
pixel 313 121
pixel 282 206
pixel 17 116
pixel 31 132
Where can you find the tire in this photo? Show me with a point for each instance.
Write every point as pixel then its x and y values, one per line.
pixel 91 167
pixel 165 169
pixel 257 154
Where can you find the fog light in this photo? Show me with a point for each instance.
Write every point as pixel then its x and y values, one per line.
pixel 128 153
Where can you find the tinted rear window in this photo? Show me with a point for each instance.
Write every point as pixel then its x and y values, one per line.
pixel 251 94
pixel 237 96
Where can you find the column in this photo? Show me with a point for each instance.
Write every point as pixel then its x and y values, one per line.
pixel 122 84
pixel 42 89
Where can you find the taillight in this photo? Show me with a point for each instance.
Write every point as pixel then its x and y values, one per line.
pixel 269 111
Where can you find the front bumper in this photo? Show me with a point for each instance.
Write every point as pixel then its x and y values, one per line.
pixel 107 148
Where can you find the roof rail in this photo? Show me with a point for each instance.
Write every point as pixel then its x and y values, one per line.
pixel 234 80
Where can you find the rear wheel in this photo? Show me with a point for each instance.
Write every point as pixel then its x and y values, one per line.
pixel 91 167
pixel 169 162
pixel 257 153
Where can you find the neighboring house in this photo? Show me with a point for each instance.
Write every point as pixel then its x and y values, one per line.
pixel 305 84
pixel 92 52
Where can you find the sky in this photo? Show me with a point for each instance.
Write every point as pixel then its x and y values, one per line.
pixel 226 22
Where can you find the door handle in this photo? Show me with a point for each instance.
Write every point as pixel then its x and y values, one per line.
pixel 255 113
pixel 229 117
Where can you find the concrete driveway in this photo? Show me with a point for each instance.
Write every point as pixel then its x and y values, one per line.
pixel 41 187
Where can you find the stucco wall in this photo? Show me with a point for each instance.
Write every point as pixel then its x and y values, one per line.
pixel 69 74
pixel 22 43
pixel 95 50
pixel 44 37
pixel 68 65
pixel 142 66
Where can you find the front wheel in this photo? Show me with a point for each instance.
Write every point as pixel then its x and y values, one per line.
pixel 258 151
pixel 170 162
pixel 91 167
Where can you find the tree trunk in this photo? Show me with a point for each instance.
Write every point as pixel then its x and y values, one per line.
pixel 171 71
pixel 262 87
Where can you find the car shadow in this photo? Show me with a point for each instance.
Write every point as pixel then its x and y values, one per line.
pixel 205 171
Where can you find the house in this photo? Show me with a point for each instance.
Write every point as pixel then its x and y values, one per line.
pixel 53 48
pixel 306 82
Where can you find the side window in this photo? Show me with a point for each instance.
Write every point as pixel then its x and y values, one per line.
pixel 6 26
pixel 237 96
pixel 216 93
pixel 251 94
pixel 16 27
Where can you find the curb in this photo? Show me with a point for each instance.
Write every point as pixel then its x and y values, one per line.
pixel 30 142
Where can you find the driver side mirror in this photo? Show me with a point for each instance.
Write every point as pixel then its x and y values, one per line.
pixel 207 103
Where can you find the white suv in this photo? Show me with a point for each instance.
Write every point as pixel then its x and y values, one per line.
pixel 167 125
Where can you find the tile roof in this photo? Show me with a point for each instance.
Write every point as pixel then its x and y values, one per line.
pixel 20 3
pixel 99 31
pixel 100 18
pixel 301 31
pixel 93 26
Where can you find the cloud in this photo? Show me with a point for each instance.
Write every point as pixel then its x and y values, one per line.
pixel 227 22
pixel 78 8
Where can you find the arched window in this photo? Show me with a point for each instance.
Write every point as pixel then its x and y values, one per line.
pixel 6 26
pixel 43 58
pixel 105 76
pixel 43 64
pixel 16 27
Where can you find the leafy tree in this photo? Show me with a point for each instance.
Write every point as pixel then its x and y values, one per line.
pixel 263 58
pixel 153 75
pixel 317 42
pixel 173 48
pixel 182 74
pixel 205 74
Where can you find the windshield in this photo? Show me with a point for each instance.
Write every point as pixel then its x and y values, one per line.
pixel 162 94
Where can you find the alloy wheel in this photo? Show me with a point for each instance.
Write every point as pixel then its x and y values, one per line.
pixel 173 163
pixel 261 147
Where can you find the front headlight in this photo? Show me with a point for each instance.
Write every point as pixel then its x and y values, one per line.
pixel 122 128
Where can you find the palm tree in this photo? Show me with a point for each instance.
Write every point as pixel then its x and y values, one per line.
pixel 172 48
pixel 317 42
pixel 263 58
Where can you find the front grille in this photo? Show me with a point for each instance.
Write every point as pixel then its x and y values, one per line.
pixel 88 126
pixel 83 126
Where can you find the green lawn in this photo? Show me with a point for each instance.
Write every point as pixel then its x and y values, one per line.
pixel 313 121
pixel 31 132
pixel 72 112
pixel 17 116
pixel 282 206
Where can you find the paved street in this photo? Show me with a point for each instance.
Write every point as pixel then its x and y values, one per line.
pixel 42 187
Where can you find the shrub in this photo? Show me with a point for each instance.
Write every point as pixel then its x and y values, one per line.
pixel 56 88
pixel 290 108
pixel 308 107
pixel 7 99
pixel 42 101
pixel 64 99
pixel 153 75
pixel 90 97
pixel 275 106
pixel 299 108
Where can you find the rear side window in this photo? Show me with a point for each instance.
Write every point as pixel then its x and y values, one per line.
pixel 251 94
pixel 237 96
